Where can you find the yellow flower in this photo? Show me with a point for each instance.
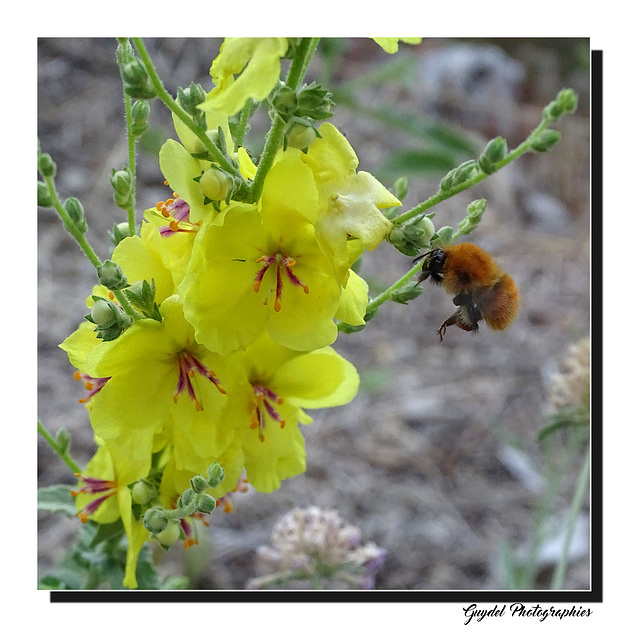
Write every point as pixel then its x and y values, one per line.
pixel 256 61
pixel 390 45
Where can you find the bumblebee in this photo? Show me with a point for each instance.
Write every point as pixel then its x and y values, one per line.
pixel 481 289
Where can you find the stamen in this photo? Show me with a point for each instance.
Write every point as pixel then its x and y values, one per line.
pixel 177 211
pixel 279 260
pixel 92 486
pixel 188 366
pixel 262 406
pixel 93 385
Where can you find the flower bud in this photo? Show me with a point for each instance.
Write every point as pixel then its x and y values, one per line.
pixel 121 181
pixel 111 276
pixel 406 292
pixel 412 236
pixel 285 101
pixel 170 535
pixel 299 134
pixel 215 184
pixel 545 140
pixel 119 232
pixel 191 97
pixel 475 211
pixel 102 312
pixel 63 440
pixel 495 151
pixel 205 503
pixel 137 82
pixel 401 187
pixel 314 102
pixel 140 117
pixel 142 295
pixel 44 195
pixel 188 499
pixel 46 166
pixel 143 492
pixel 215 474
pixel 155 521
pixel 565 102
pixel 443 237
pixel 199 484
pixel 458 175
pixel 74 208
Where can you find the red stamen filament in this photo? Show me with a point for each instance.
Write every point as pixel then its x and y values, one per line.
pixel 280 261
pixel 263 403
pixel 189 365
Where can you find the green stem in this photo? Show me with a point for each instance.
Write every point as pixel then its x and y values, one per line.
pixel 58 449
pixel 441 195
pixel 131 141
pixel 242 123
pixel 576 504
pixel 164 95
pixel 273 143
pixel 85 246
pixel 70 225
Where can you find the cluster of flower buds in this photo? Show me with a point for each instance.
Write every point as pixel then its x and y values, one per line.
pixel 165 525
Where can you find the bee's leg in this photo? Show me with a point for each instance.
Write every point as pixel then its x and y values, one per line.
pixel 447 323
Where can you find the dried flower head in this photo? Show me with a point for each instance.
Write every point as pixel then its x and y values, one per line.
pixel 571 389
pixel 316 548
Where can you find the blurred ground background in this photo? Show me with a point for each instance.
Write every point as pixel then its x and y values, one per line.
pixel 436 460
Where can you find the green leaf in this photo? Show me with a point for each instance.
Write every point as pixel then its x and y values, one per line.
pixel 419 161
pixel 57 499
pixel 107 532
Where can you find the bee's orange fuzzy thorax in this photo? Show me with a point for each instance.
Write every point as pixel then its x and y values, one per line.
pixel 468 268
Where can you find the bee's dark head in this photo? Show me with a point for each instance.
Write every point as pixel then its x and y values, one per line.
pixel 432 266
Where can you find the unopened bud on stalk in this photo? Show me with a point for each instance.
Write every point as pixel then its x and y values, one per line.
pixel 111 276
pixel 545 140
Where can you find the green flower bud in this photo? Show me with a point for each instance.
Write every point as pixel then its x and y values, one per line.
pixel 137 82
pixel 443 237
pixel 475 211
pixel 565 102
pixel 299 134
pixel 155 521
pixel 110 321
pixel 545 140
pixel 111 276
pixel 188 499
pixel 170 535
pixel 412 236
pixel 495 151
pixel 215 474
pixel 406 292
pixel 199 484
pixel 102 312
pixel 46 165
pixel 205 503
pixel 119 232
pixel 215 184
pixel 458 175
pixel 44 195
pixel 314 102
pixel 191 97
pixel 140 117
pixel 122 181
pixel 285 101
pixel 63 439
pixel 74 208
pixel 401 187
pixel 143 492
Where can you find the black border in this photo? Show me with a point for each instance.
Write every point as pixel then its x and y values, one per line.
pixel 596 592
